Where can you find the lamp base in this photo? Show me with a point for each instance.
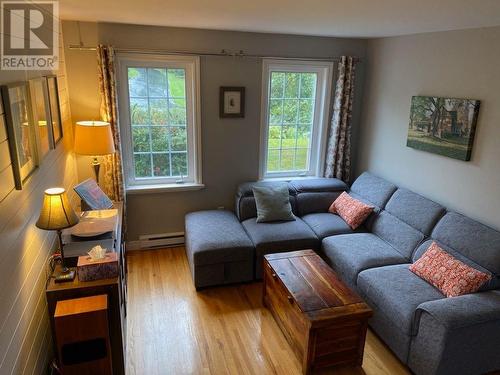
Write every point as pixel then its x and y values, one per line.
pixel 96 165
pixel 65 275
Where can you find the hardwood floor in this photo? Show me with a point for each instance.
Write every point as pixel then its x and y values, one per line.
pixel 172 329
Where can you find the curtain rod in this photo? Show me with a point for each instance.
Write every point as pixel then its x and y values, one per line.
pixel 222 53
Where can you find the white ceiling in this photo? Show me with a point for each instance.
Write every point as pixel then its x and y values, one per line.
pixel 343 18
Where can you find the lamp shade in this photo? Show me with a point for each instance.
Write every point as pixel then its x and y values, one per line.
pixel 93 138
pixel 56 212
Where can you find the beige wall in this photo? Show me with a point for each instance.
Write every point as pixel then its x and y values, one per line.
pixel 25 346
pixel 82 77
pixel 230 147
pixel 463 64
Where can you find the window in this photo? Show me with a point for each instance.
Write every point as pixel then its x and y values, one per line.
pixel 159 118
pixel 295 108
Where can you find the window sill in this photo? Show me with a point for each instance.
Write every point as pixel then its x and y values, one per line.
pixel 163 188
pixel 288 178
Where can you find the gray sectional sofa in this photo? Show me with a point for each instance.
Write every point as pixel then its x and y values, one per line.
pixel 430 333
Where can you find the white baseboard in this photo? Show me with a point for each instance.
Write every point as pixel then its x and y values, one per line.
pixel 155 241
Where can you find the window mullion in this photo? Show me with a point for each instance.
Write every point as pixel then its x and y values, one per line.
pixel 149 125
pixel 282 121
pixel 313 126
pixel 297 123
pixel 169 129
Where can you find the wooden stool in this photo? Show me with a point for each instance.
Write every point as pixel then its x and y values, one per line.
pixel 82 335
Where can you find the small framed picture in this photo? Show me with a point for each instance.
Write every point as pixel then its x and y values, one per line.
pixel 55 109
pixel 20 131
pixel 232 102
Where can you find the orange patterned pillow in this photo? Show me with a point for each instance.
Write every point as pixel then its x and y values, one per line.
pixel 353 212
pixel 451 276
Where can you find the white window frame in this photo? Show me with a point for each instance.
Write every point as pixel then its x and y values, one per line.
pixel 324 70
pixel 191 65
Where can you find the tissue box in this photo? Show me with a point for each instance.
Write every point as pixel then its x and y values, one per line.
pixel 89 269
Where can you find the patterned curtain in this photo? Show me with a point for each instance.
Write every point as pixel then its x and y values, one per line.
pixel 338 157
pixel 112 183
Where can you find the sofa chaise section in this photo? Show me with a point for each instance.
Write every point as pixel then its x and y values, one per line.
pixel 218 248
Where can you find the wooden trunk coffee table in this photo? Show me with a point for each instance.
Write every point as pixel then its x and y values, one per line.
pixel 324 321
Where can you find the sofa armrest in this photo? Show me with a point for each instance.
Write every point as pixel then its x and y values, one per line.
pixel 466 310
pixel 457 335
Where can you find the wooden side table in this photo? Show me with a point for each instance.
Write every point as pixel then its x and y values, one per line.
pixel 116 291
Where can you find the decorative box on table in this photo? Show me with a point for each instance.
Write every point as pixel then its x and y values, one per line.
pixel 89 270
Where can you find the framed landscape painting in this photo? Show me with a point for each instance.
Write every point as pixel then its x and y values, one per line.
pixel 443 126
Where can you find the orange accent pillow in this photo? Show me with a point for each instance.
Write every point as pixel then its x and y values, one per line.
pixel 353 211
pixel 451 276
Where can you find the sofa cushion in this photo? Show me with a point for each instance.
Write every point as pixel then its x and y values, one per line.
pixel 375 189
pixel 397 233
pixel 316 194
pixel 327 224
pixel 353 211
pixel 245 206
pixel 308 185
pixel 473 240
pixel 451 276
pixel 349 254
pixel 216 236
pixel 396 292
pixel 278 237
pixel 315 202
pixel 273 203
pixel 376 210
pixel 360 198
pixel 415 210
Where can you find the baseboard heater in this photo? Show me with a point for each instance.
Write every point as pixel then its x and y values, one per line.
pixel 152 241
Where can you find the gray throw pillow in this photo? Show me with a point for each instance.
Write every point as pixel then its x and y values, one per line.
pixel 273 203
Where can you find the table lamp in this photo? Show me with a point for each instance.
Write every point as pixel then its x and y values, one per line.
pixel 94 138
pixel 57 214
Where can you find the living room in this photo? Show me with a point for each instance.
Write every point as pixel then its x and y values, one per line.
pixel 283 184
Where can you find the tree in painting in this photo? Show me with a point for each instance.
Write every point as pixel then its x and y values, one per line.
pixel 443 126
